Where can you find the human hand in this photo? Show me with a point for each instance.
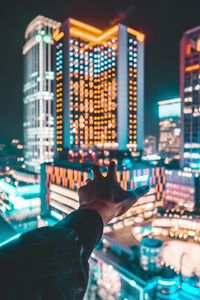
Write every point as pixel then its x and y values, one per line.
pixel 105 195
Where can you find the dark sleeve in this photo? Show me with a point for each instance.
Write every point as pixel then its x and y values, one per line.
pixel 87 224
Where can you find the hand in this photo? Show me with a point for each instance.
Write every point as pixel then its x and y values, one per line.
pixel 105 195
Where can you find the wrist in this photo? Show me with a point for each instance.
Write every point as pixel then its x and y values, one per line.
pixel 104 209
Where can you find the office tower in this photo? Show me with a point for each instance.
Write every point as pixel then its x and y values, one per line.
pixel 99 87
pixel 170 128
pixel 190 97
pixel 38 92
pixel 149 145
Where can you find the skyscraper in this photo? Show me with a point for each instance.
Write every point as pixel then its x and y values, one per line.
pixel 190 97
pixel 99 87
pixel 38 92
pixel 170 128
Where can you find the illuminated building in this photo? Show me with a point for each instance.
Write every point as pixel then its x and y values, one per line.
pixel 190 97
pixel 128 280
pixel 183 189
pixel 99 87
pixel 60 184
pixel 19 200
pixel 38 92
pixel 170 128
pixel 150 254
pixel 25 176
pixel 149 145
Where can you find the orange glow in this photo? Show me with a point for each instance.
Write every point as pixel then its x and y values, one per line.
pixel 57 35
pixel 140 36
pixel 188 49
pixel 92 38
pixel 85 26
pixel 198 45
pixel 192 68
pixel 82 34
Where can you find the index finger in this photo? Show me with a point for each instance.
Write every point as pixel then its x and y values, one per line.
pixel 96 172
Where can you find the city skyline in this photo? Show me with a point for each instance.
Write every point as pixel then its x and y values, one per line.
pixel 138 15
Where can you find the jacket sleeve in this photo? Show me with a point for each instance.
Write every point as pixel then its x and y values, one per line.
pixel 87 224
pixel 52 262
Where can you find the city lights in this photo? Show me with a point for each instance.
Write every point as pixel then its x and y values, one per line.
pixel 93 116
pixel 83 100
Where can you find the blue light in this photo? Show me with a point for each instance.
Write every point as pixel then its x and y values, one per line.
pixel 141 178
pixel 10 240
pixel 170 110
pixel 56 215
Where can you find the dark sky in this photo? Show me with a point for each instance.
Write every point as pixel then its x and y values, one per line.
pixel 163 22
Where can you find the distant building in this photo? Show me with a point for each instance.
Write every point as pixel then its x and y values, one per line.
pixel 60 183
pixel 149 145
pixel 99 87
pixel 38 92
pixel 170 128
pixel 128 280
pixel 183 189
pixel 19 200
pixel 190 97
pixel 150 254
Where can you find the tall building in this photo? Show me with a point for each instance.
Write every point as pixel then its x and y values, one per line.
pixel 170 128
pixel 99 87
pixel 190 97
pixel 38 92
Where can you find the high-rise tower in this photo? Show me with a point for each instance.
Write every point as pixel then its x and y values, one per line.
pixel 99 87
pixel 190 97
pixel 38 92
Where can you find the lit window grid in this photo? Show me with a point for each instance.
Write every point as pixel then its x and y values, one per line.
pixel 38 103
pixel 132 88
pixel 73 179
pixel 93 100
pixel 191 62
pixel 59 95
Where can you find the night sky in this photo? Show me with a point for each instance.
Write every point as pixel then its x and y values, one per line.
pixel 162 21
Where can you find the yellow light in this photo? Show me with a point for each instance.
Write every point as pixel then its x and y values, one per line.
pixel 139 36
pixel 198 45
pixel 89 37
pixel 192 68
pixel 57 35
pixel 85 26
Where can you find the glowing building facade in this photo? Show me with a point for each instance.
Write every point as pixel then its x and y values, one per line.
pixel 60 184
pixel 38 92
pixel 99 87
pixel 190 97
pixel 170 128
pixel 183 189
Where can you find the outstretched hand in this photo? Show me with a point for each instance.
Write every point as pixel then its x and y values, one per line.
pixel 105 195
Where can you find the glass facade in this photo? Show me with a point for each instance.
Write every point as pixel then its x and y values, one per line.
pixel 190 97
pixel 170 128
pixel 38 93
